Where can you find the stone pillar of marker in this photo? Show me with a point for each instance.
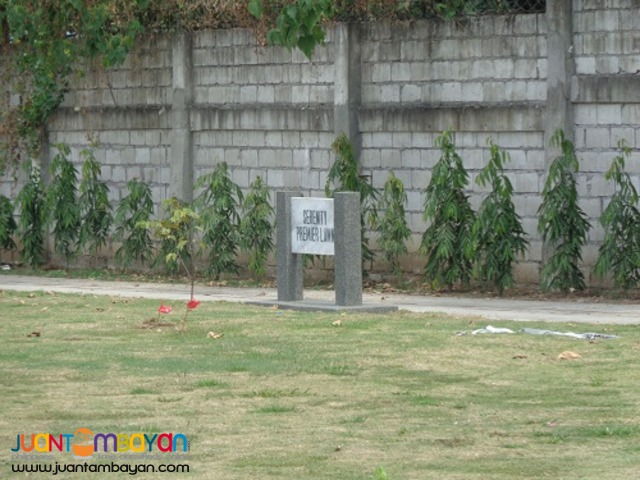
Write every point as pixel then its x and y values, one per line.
pixel 289 271
pixel 348 249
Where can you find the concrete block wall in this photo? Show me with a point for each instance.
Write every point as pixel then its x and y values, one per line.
pixel 606 101
pixel 606 37
pixel 265 111
pixel 180 105
pixel 485 79
pixel 125 112
pixel 489 59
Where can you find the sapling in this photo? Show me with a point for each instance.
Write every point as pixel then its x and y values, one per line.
pixel 62 203
pixel 561 222
pixel 391 224
pixel 95 208
pixel 133 210
pixel 620 250
pixel 33 217
pixel 497 234
pixel 218 205
pixel 256 227
pixel 449 215
pixel 344 176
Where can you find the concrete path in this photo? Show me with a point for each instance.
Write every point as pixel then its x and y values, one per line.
pixel 489 308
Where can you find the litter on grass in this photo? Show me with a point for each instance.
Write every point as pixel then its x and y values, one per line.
pixel 537 331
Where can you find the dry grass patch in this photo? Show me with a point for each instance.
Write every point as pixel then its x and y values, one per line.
pixel 287 395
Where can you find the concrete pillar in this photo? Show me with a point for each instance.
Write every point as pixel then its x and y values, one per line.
pixel 180 159
pixel 561 68
pixel 347 84
pixel 289 271
pixel 348 249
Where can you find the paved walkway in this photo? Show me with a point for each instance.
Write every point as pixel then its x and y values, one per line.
pixel 489 308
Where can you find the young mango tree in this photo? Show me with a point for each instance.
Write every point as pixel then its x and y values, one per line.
pixel 218 205
pixel 497 236
pixel 32 203
pixel 391 224
pixel 134 209
pixel 561 222
pixel 448 213
pixel 256 226
pixel 620 250
pixel 62 203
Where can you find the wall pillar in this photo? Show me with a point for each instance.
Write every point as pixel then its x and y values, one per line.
pixel 180 157
pixel 347 84
pixel 561 68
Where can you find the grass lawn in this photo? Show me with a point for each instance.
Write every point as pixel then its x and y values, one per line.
pixel 288 395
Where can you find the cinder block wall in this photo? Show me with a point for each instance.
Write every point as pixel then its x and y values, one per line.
pixel 605 94
pixel 180 105
pixel 265 111
pixel 484 80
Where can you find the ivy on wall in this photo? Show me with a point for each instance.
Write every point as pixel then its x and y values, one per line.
pixel 43 42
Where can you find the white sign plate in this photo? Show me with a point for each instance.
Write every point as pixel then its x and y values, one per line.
pixel 312 225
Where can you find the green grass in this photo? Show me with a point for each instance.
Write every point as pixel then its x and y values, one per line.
pixel 287 395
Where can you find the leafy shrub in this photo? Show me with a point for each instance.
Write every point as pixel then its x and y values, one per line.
pixel 392 224
pixel 95 209
pixel 344 176
pixel 218 205
pixel 62 203
pixel 620 250
pixel 33 218
pixel 133 210
pixel 561 222
pixel 256 227
pixel 497 234
pixel 449 215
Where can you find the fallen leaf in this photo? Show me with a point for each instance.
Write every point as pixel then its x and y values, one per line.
pixel 569 355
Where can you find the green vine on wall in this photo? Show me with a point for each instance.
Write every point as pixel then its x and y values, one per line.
pixel 42 43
